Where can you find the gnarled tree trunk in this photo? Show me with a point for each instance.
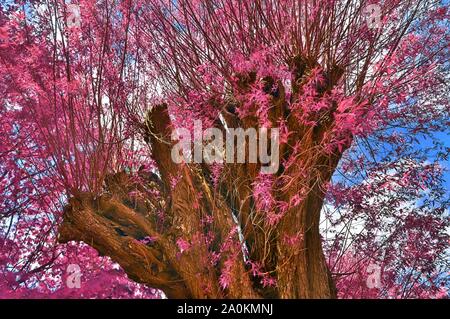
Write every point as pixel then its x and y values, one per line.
pixel 120 226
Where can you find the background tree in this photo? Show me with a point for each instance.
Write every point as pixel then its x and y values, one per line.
pixel 89 102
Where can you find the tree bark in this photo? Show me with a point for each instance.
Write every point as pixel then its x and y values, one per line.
pixel 117 225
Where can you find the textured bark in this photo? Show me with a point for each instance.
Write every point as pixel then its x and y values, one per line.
pixel 115 224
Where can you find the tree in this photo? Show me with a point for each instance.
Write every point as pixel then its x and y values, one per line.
pixel 91 98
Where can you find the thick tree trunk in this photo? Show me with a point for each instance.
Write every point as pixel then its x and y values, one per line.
pixel 116 230
pixel 304 274
pixel 120 226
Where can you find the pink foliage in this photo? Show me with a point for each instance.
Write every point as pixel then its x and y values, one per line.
pixel 72 100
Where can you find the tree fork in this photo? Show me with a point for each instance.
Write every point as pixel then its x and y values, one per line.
pixel 110 225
